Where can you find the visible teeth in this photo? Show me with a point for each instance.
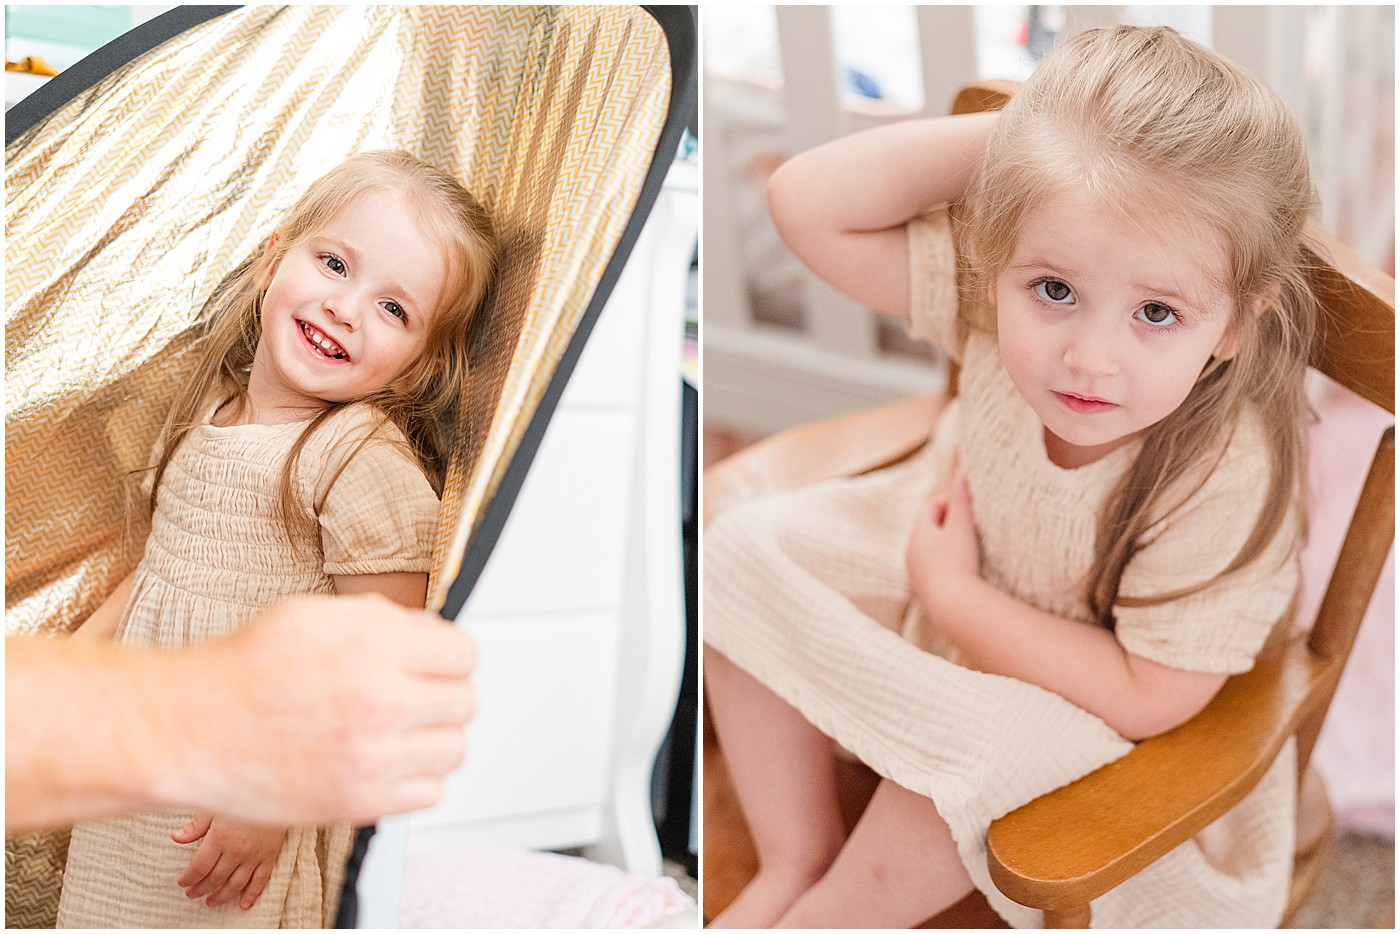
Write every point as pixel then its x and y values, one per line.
pixel 326 345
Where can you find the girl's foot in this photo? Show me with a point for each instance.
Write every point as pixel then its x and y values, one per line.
pixel 764 900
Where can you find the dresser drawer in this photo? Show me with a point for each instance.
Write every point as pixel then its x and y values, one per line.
pixel 542 738
pixel 562 547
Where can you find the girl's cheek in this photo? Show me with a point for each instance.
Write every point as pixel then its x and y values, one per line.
pixel 1013 350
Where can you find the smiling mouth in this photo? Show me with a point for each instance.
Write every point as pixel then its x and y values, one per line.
pixel 321 344
pixel 1086 405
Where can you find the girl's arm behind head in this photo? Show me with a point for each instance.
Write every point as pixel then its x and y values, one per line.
pixel 842 207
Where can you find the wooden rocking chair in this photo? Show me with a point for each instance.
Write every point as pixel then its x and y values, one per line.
pixel 1066 848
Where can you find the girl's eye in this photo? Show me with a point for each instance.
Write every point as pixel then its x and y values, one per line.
pixel 394 309
pixel 1158 315
pixel 334 264
pixel 1054 291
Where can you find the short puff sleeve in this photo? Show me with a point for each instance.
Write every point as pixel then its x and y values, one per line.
pixel 1221 627
pixel 379 514
pixel 933 283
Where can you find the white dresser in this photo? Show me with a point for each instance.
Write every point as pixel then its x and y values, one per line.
pixel 579 613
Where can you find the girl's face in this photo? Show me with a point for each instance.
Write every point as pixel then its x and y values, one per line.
pixel 349 309
pixel 1104 325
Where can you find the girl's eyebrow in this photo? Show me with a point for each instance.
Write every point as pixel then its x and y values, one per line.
pixel 1036 262
pixel 341 245
pixel 1165 293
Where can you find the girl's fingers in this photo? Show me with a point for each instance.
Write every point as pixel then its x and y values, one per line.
pixel 935 506
pixel 960 499
pixel 204 861
pixel 430 751
pixel 254 889
pixel 190 879
pixel 211 882
pixel 237 880
pixel 194 830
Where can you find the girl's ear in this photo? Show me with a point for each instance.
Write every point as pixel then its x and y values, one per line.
pixel 266 265
pixel 1230 341
pixel 1229 344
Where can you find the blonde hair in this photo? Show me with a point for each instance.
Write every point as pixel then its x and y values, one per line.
pixel 422 400
pixel 1143 118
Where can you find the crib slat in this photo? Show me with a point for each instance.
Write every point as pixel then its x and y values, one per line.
pixel 1329 157
pixel 948 48
pixel 1375 228
pixel 1267 40
pixel 724 297
pixel 1080 18
pixel 840 341
pixel 815 115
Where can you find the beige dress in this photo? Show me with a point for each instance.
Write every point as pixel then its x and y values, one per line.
pixel 217 554
pixel 806 590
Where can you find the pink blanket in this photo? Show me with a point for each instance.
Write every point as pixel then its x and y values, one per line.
pixel 1356 752
pixel 481 887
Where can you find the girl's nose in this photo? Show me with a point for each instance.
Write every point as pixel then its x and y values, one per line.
pixel 1090 353
pixel 340 306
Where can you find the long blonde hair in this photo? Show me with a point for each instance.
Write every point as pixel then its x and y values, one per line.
pixel 422 400
pixel 1143 117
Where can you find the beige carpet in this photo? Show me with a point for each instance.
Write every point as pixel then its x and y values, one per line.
pixel 1357 889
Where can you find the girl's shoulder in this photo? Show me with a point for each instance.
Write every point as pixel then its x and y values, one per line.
pixel 940 309
pixel 1229 494
pixel 1244 462
pixel 1224 601
pixel 357 441
pixel 933 282
pixel 358 424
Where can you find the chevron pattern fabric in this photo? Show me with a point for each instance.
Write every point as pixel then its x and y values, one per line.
pixel 129 206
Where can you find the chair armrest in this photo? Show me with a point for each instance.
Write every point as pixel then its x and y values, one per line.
pixel 1066 848
pixel 843 446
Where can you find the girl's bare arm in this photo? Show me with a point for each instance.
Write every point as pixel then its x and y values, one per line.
pixel 842 207
pixel 102 625
pixel 409 589
pixel 1001 635
pixel 1084 664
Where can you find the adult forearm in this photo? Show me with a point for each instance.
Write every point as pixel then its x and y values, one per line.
pixel 82 739
pixel 319 710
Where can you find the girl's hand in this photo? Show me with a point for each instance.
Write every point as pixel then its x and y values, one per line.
pixel 235 859
pixel 942 549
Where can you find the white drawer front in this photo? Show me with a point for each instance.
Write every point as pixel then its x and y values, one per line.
pixel 562 547
pixel 542 737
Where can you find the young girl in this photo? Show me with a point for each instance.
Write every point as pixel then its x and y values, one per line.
pixel 303 459
pixel 1104 526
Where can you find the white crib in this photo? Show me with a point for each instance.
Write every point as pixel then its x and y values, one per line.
pixel 770 368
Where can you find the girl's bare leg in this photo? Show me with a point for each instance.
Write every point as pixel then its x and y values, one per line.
pixel 899 867
pixel 784 775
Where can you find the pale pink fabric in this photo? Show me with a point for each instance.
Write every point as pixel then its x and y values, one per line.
pixel 481 887
pixel 1355 754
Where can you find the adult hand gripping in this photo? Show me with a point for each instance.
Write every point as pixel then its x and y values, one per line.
pixel 344 708
pixel 322 709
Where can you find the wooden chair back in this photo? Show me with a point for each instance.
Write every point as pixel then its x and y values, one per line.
pixel 1356 349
